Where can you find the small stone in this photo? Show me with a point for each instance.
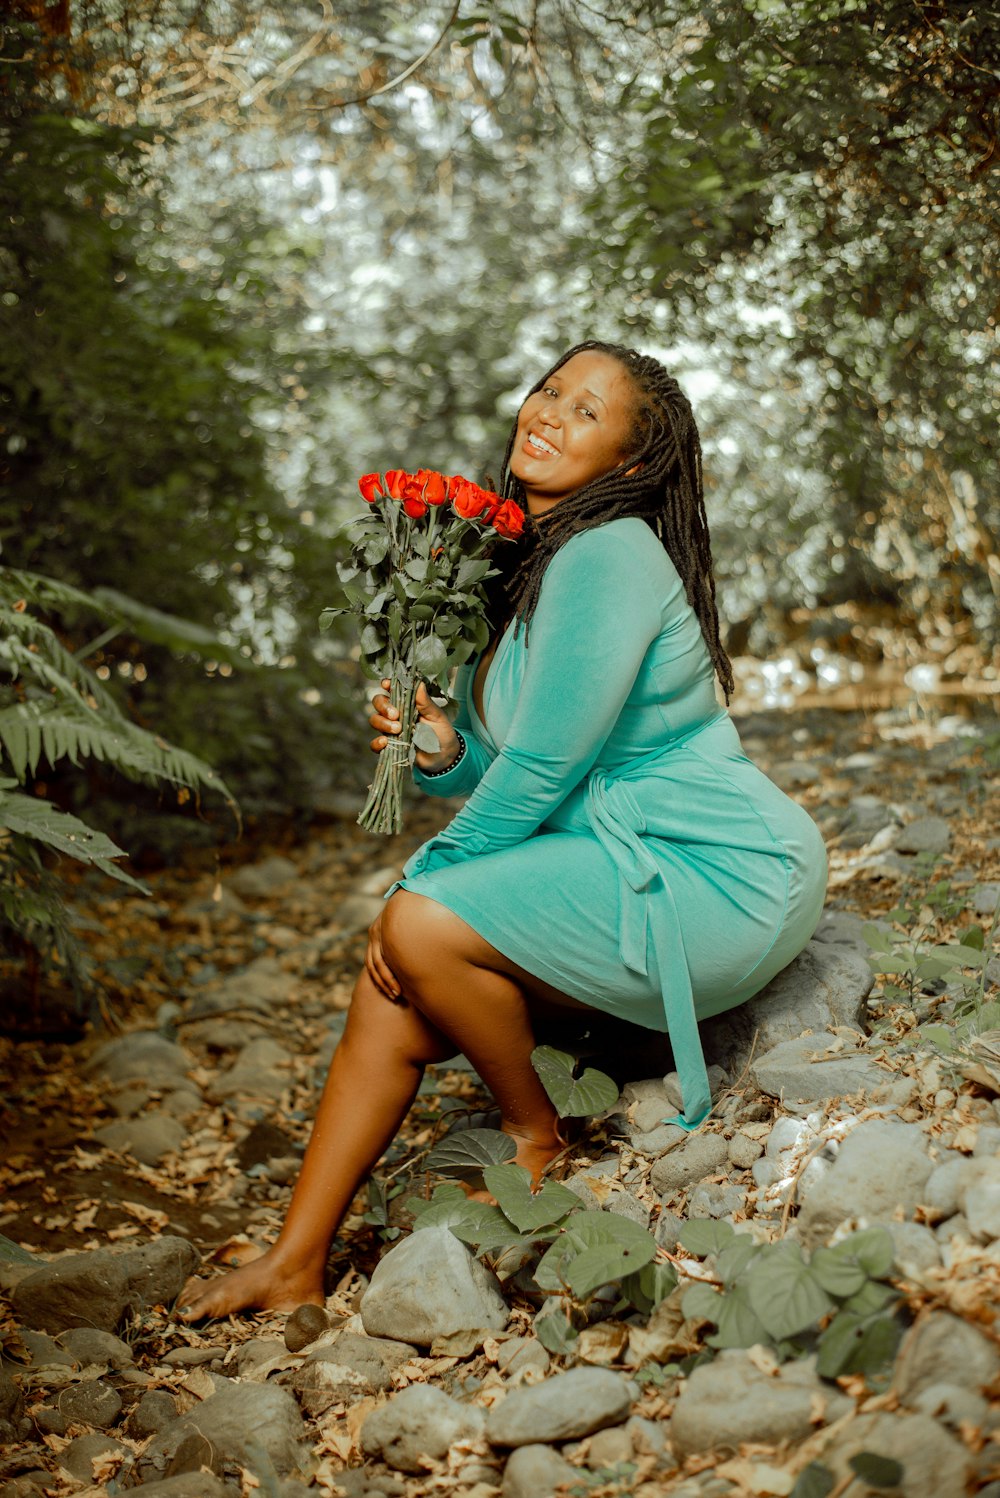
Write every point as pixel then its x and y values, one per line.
pixel 880 1168
pixel 536 1472
pixel 942 1193
pixel 257 1426
pixel 564 1407
pixel 429 1285
pixel 925 835
pixel 88 1345
pixel 712 1199
pixel 984 898
pixel 90 1403
pixel 255 881
pixel 143 1056
pixel 610 1447
pixel 199 1484
pixel 304 1325
pixel 743 1151
pixel 79 1456
pixel 149 1138
pixel 11 1399
pixel 952 1405
pixel 658 1141
pixel 702 1155
pixel 648 1437
pixel 916 1248
pixel 667 1229
pixel 44 1352
pixel 944 1349
pixel 261 1070
pixel 982 1210
pixel 154 1410
pixel 420 1422
pixel 624 1204
pixel 522 1352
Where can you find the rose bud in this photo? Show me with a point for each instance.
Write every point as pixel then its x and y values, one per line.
pixel 435 487
pixel 469 501
pixel 394 480
pixel 371 487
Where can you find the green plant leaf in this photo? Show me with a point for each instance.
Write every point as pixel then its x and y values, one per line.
pixel 589 1230
pixel 939 1036
pixel 854 1343
pixel 871 1298
pixel 873 1248
pixel 783 1293
pixel 814 1481
pixel 703 1236
pixel 974 937
pixel 527 1210
pixel 430 658
pixel 572 1097
pixel 877 1471
pixel 734 1258
pixel 738 1324
pixel 838 1273
pixel 701 1303
pixel 877 939
pixel 604 1263
pixel 556 1332
pixel 32 817
pixel 646 1287
pixel 467 1152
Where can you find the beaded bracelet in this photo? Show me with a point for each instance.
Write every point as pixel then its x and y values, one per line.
pixel 430 774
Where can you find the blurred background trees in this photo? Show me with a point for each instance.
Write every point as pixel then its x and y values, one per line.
pixel 251 251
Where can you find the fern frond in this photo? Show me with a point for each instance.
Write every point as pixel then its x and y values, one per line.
pixel 167 629
pixel 27 816
pixel 50 663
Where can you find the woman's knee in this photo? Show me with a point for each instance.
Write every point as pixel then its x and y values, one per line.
pixel 418 935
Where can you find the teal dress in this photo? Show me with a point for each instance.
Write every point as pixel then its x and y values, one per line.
pixel 616 841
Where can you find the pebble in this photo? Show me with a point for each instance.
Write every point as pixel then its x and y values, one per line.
pixel 429 1285
pixel 536 1472
pixel 79 1456
pixel 304 1325
pixel 563 1408
pixel 153 1411
pixel 520 1353
pixel 149 1138
pixel 255 881
pixel 934 1463
pixel 702 1155
pixel 924 835
pixel 91 1402
pixel 743 1151
pixel 418 1423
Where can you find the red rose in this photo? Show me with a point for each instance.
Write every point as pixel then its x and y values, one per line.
pixel 509 520
pixel 435 486
pixel 371 487
pixel 454 484
pixel 394 480
pixel 414 506
pixel 468 500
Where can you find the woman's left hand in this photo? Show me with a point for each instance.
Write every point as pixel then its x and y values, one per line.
pixel 378 969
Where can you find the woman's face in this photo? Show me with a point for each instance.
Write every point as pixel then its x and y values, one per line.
pixel 573 430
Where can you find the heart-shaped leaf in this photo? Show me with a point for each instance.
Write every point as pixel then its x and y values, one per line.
pixel 528 1210
pixel 783 1293
pixel 467 1152
pixel 572 1097
pixel 702 1236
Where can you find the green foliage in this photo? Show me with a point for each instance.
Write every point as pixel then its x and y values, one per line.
pixel 467 1152
pixel 571 1096
pixel 835 1304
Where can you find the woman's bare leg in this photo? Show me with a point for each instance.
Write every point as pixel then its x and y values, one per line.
pixel 373 1078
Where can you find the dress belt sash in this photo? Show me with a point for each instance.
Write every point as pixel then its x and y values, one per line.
pixel 618 823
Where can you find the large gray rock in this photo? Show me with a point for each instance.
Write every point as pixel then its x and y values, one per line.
pixel 562 1408
pixel 944 1349
pixel 429 1285
pixel 786 1071
pixel 702 1155
pixel 536 1472
pixel 141 1055
pixel 97 1289
pixel 148 1139
pixel 730 1400
pixel 881 1167
pixel 934 1464
pixel 262 987
pixel 257 1426
pixel 261 1070
pixel 827 984
pixel 421 1422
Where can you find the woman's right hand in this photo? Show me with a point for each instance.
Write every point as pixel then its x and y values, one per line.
pixel 384 719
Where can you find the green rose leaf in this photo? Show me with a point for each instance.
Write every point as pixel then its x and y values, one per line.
pixel 430 657
pixel 469 1151
pixel 528 1210
pixel 572 1097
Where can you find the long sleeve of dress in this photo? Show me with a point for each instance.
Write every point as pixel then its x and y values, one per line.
pixel 471 768
pixel 597 614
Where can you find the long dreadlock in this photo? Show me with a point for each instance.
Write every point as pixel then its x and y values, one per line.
pixel 665 490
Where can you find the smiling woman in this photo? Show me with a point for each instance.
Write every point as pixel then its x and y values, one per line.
pixel 617 852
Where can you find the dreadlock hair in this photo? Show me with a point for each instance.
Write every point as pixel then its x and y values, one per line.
pixel 665 490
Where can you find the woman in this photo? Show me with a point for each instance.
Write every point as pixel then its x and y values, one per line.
pixel 617 851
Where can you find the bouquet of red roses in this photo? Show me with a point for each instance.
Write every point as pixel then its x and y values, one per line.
pixel 419 558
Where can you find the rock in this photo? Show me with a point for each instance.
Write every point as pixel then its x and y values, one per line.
pixel 984 898
pixel 667 1230
pixel 700 1156
pixel 11 1399
pixel 743 1151
pixel 183 1103
pixel 148 1139
pixel 881 1166
pixel 658 1141
pixel 942 1192
pixel 952 1405
pixel 262 1142
pixel 355 914
pixel 536 1472
pixel 624 1204
pixel 141 1055
pixel 979 1197
pixel 90 1403
pixel 257 1426
pixel 370 1356
pixel 712 1199
pixel 825 985
pixel 187 1485
pixel 428 1285
pixel 44 1352
pixel 944 1349
pixel 154 1411
pixel 934 1463
pixel 255 881
pixel 610 1447
pixel 259 1071
pixel 730 1400
pixel 916 1247
pixel 925 835
pixel 320 1385
pixel 96 1289
pixel 419 1422
pixel 80 1455
pixel 304 1325
pixel 788 1072
pixel 563 1408
pixel 520 1353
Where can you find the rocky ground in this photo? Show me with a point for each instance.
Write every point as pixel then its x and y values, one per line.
pixel 132 1155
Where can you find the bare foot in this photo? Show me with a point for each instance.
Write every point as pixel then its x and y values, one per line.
pixel 263 1284
pixel 236 1251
